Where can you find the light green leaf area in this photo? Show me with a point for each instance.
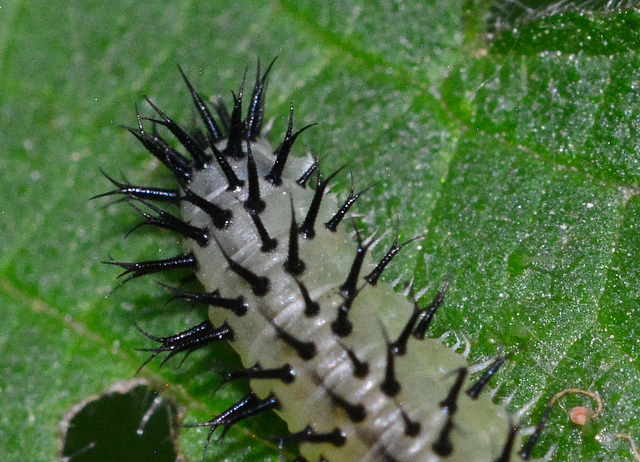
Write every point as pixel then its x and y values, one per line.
pixel 518 159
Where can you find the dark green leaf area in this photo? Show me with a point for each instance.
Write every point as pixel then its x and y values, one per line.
pixel 578 112
pixel 620 302
pixel 593 34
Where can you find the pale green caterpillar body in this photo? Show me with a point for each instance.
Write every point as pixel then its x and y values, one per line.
pixel 342 358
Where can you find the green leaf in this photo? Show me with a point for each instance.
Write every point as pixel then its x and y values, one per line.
pixel 519 159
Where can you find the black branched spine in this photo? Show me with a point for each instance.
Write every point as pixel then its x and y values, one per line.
pixel 140 192
pixel 161 150
pixel 505 456
pixel 200 158
pixel 236 305
pixel 336 437
pixel 269 244
pixel 349 288
pixel 170 222
pixel 282 152
pixel 525 452
pixel 474 390
pixel 285 374
pixel 306 350
pixel 411 427
pixel 247 407
pixel 311 308
pixel 137 269
pixel 342 326
pixel 373 276
pixel 360 368
pixel 214 132
pixel 443 445
pixel 332 224
pixel 214 135
pixel 260 285
pixel 236 131
pixel 255 113
pixel 187 341
pixel 307 228
pixel 219 217
pixel 390 386
pixel 355 412
pixel 306 175
pixel 293 264
pixel 427 315
pixel 254 204
pixel 399 347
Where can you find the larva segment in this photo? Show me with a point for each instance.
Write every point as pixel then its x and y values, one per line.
pixel 342 358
